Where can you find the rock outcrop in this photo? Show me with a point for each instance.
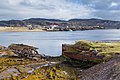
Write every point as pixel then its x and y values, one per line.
pixel 24 51
pixel 82 50
pixel 104 71
pixel 89 51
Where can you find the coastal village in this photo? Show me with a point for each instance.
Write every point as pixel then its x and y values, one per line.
pixel 57 27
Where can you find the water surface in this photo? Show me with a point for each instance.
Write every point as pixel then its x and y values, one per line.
pixel 50 43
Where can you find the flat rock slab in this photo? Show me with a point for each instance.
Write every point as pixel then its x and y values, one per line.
pixel 9 72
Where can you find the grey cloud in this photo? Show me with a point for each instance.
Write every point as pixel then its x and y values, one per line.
pixel 105 9
pixel 60 9
pixel 112 15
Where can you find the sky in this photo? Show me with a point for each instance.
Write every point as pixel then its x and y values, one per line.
pixel 60 9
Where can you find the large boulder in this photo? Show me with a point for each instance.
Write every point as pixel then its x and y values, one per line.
pixel 24 51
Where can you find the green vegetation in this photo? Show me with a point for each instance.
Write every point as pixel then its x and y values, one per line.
pixel 15 61
pixel 104 48
pixel 56 59
pixel 6 63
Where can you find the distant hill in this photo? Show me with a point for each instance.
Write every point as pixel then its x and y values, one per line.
pixel 72 22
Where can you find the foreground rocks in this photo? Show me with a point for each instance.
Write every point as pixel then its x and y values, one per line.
pixel 85 53
pixel 105 71
pixel 23 62
pixel 91 51
pixel 27 69
pixel 21 51
pixel 15 66
pixel 24 51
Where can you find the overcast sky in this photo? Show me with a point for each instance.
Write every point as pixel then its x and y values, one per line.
pixel 59 9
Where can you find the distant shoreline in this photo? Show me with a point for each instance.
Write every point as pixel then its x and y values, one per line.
pixel 19 29
pixel 26 29
pixel 23 31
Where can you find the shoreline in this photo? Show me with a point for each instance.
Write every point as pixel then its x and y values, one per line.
pixel 19 29
pixel 22 31
pixel 39 30
pixel 26 29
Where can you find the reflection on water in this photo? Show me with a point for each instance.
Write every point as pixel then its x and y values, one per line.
pixel 50 43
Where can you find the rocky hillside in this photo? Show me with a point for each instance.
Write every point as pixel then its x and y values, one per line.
pixel 104 71
pixel 73 22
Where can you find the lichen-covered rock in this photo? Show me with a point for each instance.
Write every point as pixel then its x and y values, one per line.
pixel 45 73
pixel 15 66
pixel 9 72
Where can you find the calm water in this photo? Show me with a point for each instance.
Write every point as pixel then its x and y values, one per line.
pixel 50 43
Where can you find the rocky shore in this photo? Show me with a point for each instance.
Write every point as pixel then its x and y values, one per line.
pixel 105 71
pixel 23 62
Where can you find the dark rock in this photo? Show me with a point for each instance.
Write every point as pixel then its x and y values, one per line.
pixel 81 51
pixel 104 71
pixel 24 51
